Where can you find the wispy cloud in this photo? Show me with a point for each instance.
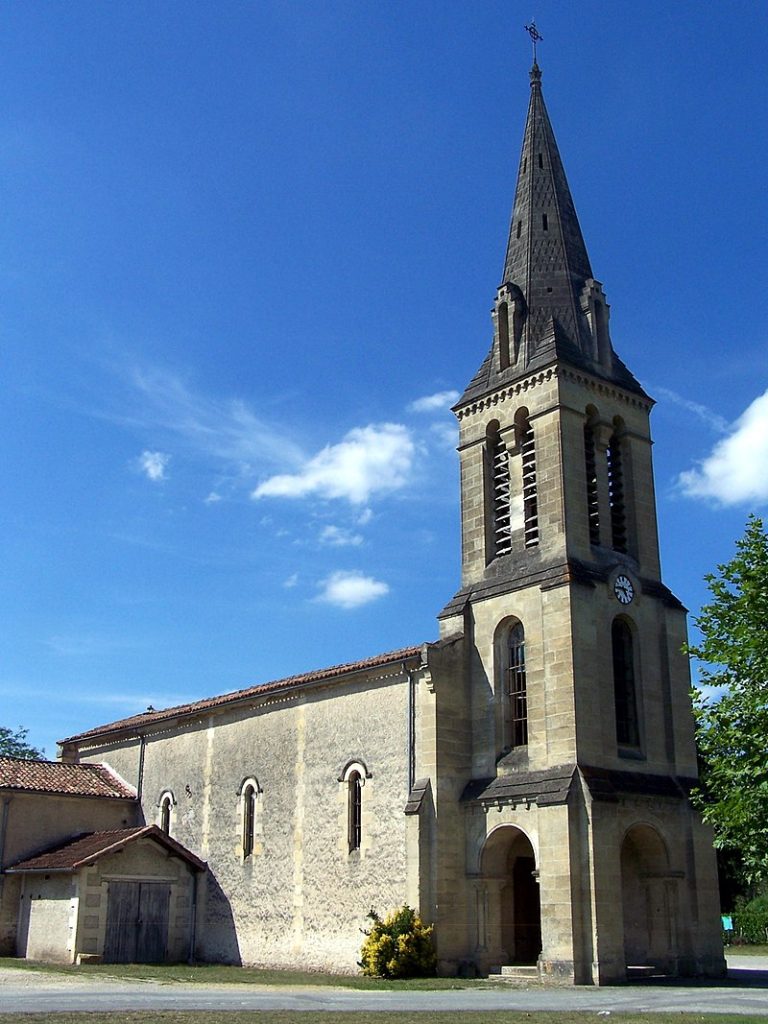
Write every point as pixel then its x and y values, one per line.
pixel 351 589
pixel 434 403
pixel 133 703
pixel 291 582
pixel 712 419
pixel 79 645
pixel 338 537
pixel 369 460
pixel 736 470
pixel 212 498
pixel 154 464
pixel 222 431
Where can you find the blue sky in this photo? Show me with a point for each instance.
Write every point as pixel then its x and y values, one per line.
pixel 248 255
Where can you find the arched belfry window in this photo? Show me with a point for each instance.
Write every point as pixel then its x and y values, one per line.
pixel 590 474
pixel 530 490
pixel 165 811
pixel 515 687
pixel 499 525
pixel 249 798
pixel 615 463
pixel 624 687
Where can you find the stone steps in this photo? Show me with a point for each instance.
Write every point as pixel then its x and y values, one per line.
pixel 512 972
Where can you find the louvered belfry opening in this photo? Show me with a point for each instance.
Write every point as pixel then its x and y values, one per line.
pixel 530 497
pixel 590 472
pixel 616 494
pixel 500 495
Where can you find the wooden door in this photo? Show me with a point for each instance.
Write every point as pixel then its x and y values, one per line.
pixel 137 922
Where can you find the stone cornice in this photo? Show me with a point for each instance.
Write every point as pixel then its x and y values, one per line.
pixel 557 371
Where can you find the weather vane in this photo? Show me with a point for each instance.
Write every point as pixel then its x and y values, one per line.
pixel 535 35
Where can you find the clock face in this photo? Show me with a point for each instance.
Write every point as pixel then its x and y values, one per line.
pixel 623 589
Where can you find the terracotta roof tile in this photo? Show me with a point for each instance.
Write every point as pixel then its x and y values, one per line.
pixel 57 777
pixel 291 682
pixel 85 849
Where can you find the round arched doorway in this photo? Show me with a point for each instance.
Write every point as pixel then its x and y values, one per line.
pixel 648 897
pixel 508 864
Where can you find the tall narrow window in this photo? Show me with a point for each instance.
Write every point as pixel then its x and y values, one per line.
pixel 590 471
pixel 516 692
pixel 616 494
pixel 501 539
pixel 624 691
pixel 354 811
pixel 530 497
pixel 166 810
pixel 250 796
pixel 502 319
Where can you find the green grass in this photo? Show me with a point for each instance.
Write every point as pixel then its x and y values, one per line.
pixel 746 950
pixel 219 974
pixel 377 1017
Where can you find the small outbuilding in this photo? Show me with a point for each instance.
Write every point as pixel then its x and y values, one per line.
pixel 121 896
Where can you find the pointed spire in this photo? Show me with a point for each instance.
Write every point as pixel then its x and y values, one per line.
pixel 553 309
pixel 546 257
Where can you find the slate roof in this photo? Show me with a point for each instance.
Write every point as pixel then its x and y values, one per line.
pixel 87 849
pixel 237 696
pixel 550 786
pixel 547 264
pixel 36 776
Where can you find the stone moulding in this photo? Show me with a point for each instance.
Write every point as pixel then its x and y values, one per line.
pixel 601 387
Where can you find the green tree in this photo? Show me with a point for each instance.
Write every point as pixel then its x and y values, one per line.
pixel 732 729
pixel 14 744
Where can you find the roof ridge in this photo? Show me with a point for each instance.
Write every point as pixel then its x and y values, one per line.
pixel 233 696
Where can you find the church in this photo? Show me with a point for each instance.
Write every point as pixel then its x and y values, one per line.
pixel 522 780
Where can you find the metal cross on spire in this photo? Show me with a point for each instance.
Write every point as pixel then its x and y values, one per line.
pixel 535 35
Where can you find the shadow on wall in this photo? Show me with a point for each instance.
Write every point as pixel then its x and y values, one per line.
pixel 216 933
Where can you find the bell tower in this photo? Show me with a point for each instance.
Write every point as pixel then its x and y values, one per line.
pixel 578 752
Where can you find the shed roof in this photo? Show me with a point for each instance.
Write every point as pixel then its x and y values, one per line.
pixel 38 776
pixel 150 718
pixel 87 849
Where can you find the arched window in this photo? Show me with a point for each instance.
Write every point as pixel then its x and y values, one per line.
pixel 624 689
pixel 500 517
pixel 354 810
pixel 166 812
pixel 530 494
pixel 516 694
pixel 614 456
pixel 250 798
pixel 590 472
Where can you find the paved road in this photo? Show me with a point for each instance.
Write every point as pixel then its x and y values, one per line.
pixel 745 992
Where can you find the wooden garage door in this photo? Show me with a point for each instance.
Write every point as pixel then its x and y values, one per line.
pixel 137 922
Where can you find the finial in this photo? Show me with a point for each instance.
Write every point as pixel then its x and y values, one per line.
pixel 536 37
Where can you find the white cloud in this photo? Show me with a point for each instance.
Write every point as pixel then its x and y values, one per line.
pixel 369 460
pixel 153 464
pixel 447 434
pixel 713 420
pixel 339 538
pixel 433 403
pixel 365 517
pixel 736 470
pixel 291 582
pixel 212 498
pixel 351 589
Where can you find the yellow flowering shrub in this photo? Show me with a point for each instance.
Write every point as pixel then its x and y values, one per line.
pixel 398 946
